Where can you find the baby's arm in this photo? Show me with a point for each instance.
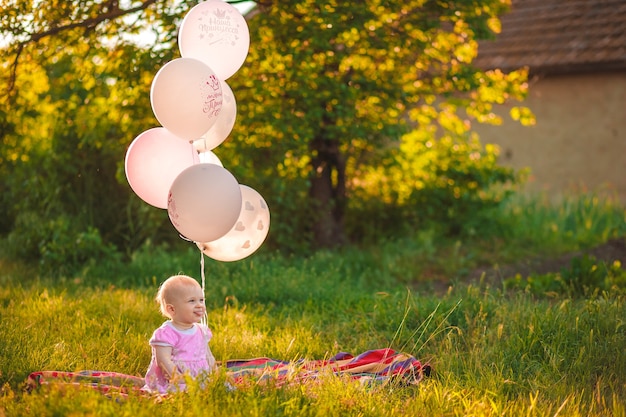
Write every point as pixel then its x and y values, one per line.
pixel 164 360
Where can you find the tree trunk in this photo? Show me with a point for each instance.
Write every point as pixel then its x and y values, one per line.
pixel 328 193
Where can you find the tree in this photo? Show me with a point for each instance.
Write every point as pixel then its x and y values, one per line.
pixel 330 89
pixel 77 93
pixel 336 102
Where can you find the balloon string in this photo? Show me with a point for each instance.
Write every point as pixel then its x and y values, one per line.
pixel 193 151
pixel 204 319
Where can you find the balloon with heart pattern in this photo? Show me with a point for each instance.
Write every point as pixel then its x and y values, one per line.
pixel 248 233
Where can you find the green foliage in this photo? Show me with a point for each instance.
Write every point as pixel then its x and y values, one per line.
pixel 573 222
pixel 510 233
pixel 585 277
pixel 347 112
pixel 332 97
pixel 77 96
pixel 63 249
pixel 432 184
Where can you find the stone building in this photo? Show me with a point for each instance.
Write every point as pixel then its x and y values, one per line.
pixel 576 54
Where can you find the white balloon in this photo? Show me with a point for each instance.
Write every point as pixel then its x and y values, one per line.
pixel 209 157
pixel 204 202
pixel 223 125
pixel 186 97
pixel 248 233
pixel 217 34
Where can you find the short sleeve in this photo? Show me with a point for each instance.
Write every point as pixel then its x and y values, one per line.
pixel 164 336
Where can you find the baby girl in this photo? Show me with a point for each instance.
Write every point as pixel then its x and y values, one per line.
pixel 181 345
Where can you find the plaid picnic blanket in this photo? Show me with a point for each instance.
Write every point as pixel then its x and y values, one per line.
pixel 378 366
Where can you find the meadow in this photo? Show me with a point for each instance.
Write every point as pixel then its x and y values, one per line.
pixel 539 345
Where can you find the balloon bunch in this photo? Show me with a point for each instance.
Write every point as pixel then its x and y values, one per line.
pixel 172 166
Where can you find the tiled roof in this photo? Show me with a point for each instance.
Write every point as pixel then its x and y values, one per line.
pixel 551 36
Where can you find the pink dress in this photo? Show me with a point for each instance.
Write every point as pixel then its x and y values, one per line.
pixel 190 353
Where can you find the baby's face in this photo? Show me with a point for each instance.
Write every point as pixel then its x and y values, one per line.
pixel 188 305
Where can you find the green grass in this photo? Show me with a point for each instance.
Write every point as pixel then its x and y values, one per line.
pixel 495 351
pixel 574 222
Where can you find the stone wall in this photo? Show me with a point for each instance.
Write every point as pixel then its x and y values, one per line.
pixel 579 141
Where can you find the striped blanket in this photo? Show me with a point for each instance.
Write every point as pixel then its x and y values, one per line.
pixel 373 367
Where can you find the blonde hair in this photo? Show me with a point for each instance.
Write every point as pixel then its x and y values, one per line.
pixel 170 289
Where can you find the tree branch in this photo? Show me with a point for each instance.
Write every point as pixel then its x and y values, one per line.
pixel 112 13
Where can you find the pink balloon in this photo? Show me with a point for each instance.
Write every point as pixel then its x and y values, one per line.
pixel 223 125
pixel 248 233
pixel 153 161
pixel 204 202
pixel 186 97
pixel 215 33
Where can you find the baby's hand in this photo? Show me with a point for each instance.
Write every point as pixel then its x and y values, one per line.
pixel 177 378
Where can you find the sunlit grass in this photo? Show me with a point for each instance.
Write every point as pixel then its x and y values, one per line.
pixel 494 352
